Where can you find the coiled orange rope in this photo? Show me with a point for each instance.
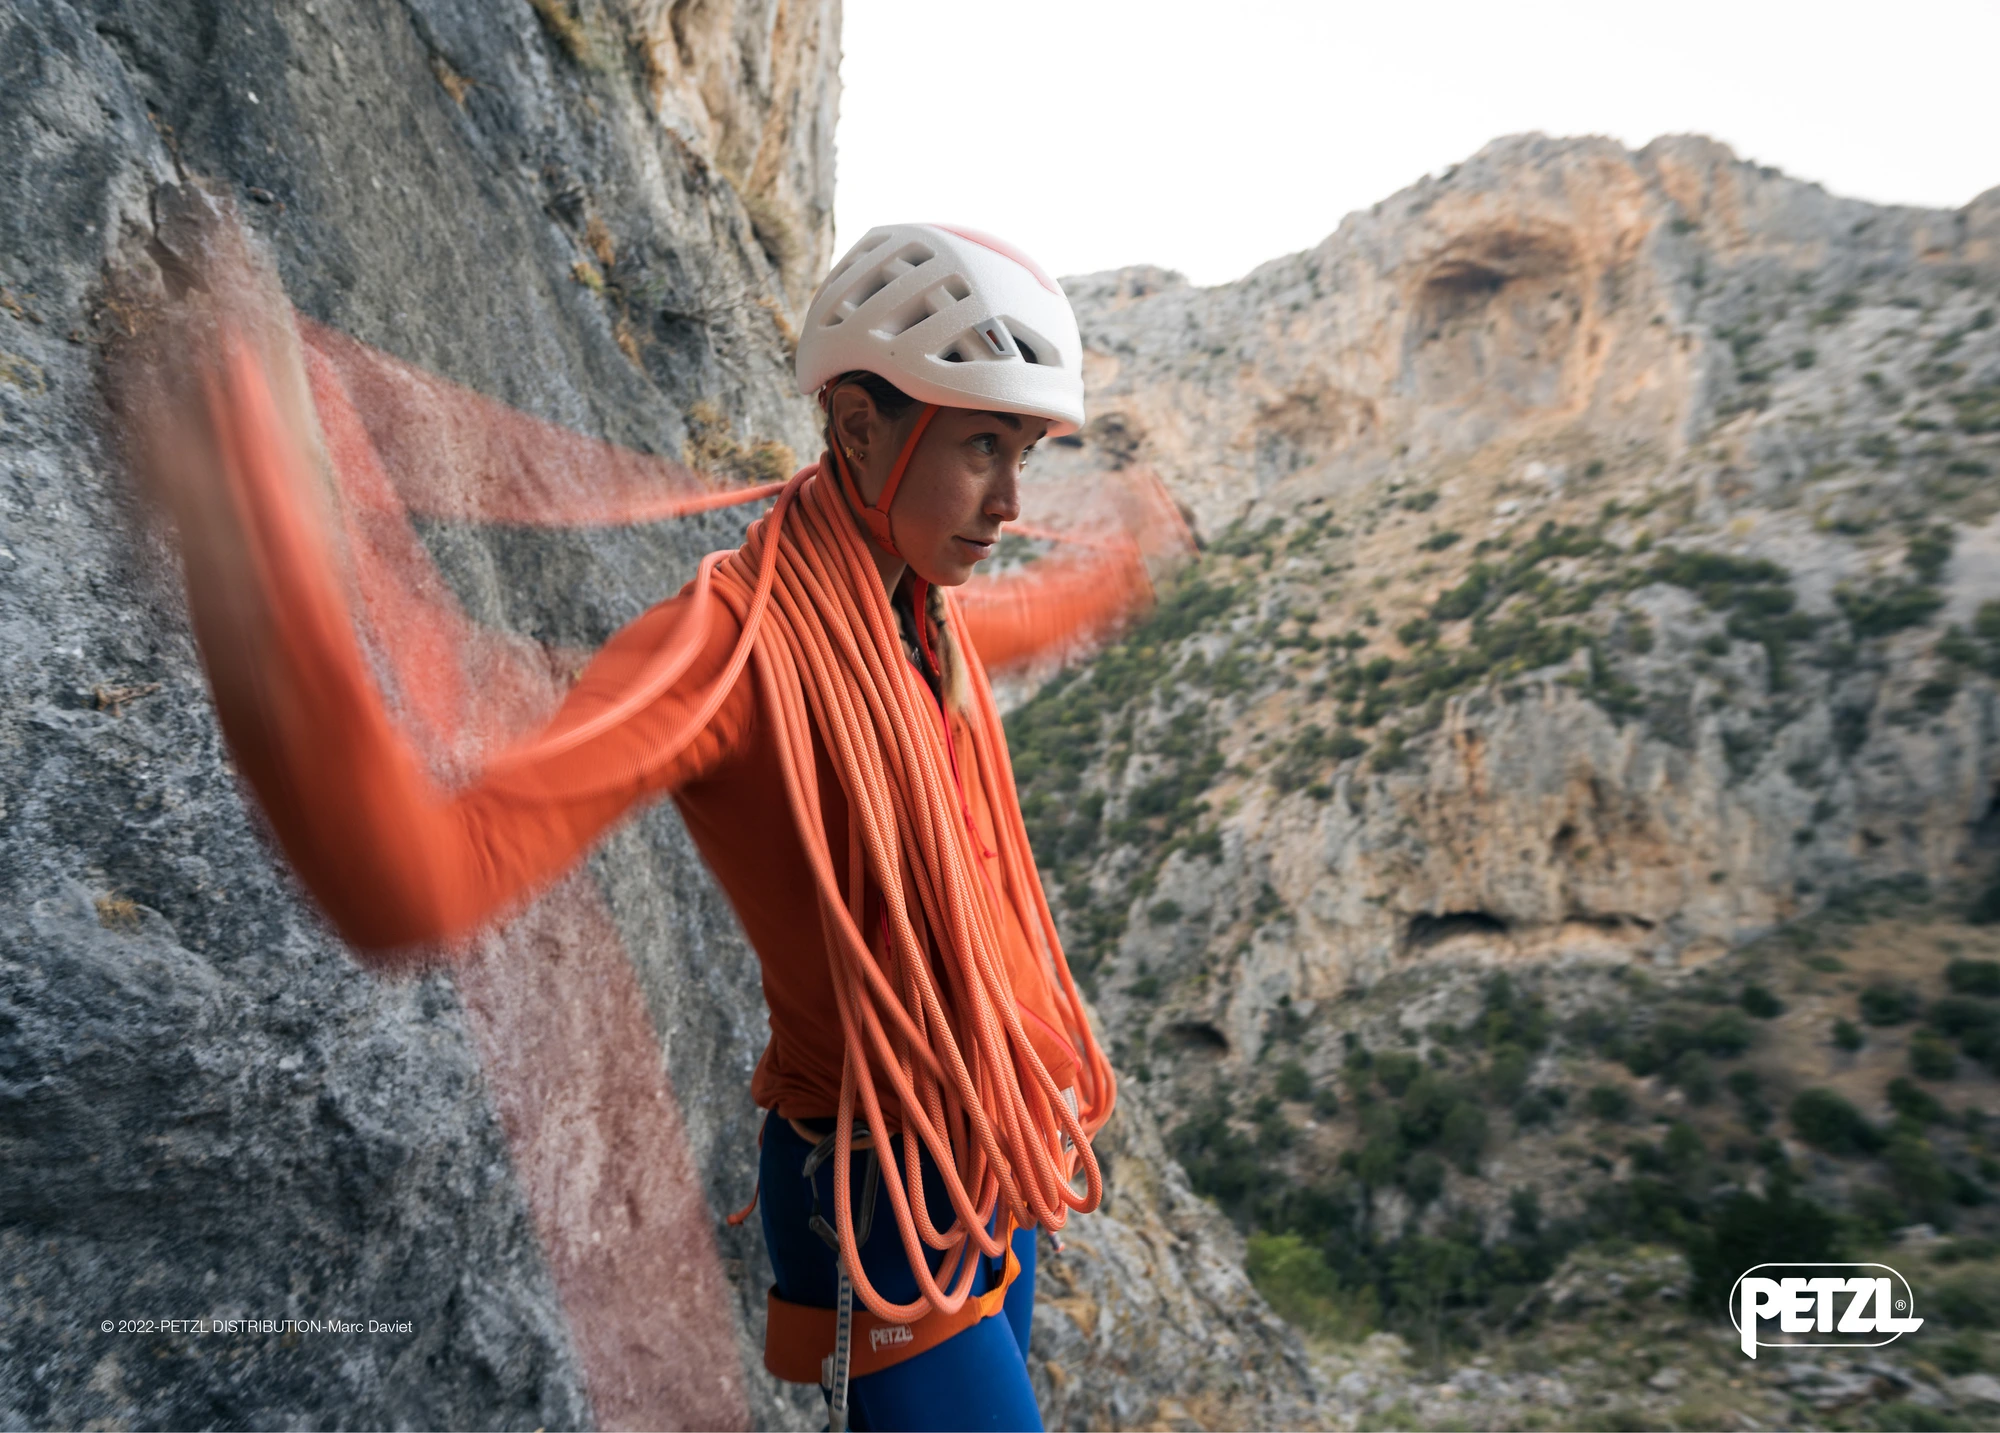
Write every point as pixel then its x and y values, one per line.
pixel 953 1053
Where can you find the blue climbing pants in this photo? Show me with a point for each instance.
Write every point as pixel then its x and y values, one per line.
pixel 977 1378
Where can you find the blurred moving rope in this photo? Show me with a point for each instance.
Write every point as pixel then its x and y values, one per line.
pixel 454 453
pixel 403 442
pixel 964 1075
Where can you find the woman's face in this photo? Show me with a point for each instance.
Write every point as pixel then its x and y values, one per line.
pixel 963 482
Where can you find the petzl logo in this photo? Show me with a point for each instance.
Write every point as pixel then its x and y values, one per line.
pixel 888 1337
pixel 1833 1305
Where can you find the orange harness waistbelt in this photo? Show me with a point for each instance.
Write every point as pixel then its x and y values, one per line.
pixel 798 1338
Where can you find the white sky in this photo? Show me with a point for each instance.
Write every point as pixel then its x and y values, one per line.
pixel 1211 137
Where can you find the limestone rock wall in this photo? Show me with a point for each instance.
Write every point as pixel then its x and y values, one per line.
pixel 1616 355
pixel 206 1109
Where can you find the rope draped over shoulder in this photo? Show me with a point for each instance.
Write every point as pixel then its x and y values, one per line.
pixel 926 1005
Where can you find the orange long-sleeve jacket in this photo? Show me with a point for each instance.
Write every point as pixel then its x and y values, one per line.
pixel 398 862
pixel 395 866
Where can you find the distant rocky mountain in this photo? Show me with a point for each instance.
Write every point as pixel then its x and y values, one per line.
pixel 1602 583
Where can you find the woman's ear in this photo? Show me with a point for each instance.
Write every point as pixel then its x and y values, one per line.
pixel 855 422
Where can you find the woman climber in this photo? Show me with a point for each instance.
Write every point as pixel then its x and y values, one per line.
pixel 815 704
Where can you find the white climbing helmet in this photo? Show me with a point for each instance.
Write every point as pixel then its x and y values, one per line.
pixel 950 316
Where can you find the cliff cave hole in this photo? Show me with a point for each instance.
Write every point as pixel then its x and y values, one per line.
pixel 1428 930
pixel 1459 286
pixel 1198 1037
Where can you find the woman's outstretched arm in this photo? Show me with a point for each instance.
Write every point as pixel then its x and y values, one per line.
pixel 395 860
pixel 1053 604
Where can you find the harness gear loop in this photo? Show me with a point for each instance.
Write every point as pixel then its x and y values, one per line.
pixel 842 1350
pixel 839 1362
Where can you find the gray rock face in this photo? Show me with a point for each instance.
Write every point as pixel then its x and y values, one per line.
pixel 206 1110
pixel 1147 1319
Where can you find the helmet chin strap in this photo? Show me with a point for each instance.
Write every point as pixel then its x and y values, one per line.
pixel 876 517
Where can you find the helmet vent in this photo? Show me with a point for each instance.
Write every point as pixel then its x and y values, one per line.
pixel 905 261
pixel 999 343
pixel 925 305
pixel 1034 347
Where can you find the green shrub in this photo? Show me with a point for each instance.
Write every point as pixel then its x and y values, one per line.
pixel 1825 1120
pixel 1163 912
pixel 1293 1083
pixel 1207 844
pixel 1974 1023
pixel 1747 1230
pixel 1885 1004
pixel 1760 1002
pixel 1536 1107
pixel 1978 409
pixel 1933 696
pixel 1918 1175
pixel 1344 744
pixel 1695 1077
pixel 1964 1354
pixel 1416 632
pixel 1839 307
pixel 1970 1300
pixel 1985 907
pixel 1295 1278
pixel 1423 1178
pixel 1974 977
pixel 1397 1071
pixel 1463 1138
pixel 1847 1036
pixel 1913 1102
pixel 1748 1087
pixel 1928 552
pixel 1608 1102
pixel 1220 1162
pixel 1968 1250
pixel 1931 1058
pixel 1725 1034
pixel 1507 1077
pixel 1887 607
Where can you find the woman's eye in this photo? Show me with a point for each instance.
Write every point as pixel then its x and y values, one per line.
pixel 985 444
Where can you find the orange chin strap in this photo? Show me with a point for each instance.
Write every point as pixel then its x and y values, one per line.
pixel 876 518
